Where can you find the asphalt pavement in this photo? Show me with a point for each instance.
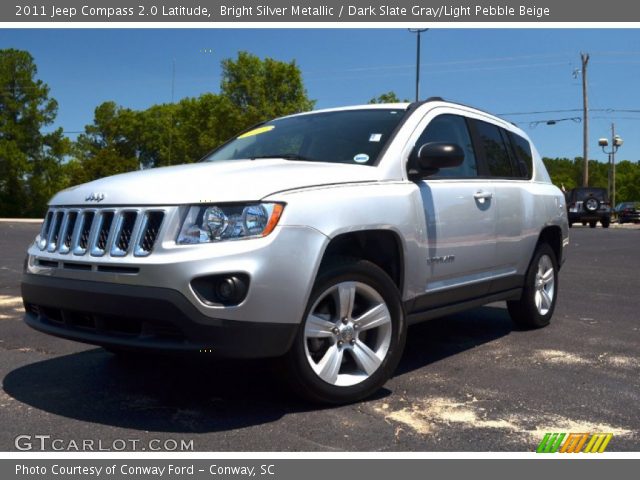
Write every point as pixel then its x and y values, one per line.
pixel 468 382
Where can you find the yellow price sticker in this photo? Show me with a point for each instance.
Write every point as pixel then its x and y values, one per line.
pixel 257 131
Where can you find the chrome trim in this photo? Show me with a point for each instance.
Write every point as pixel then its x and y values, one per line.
pixel 138 251
pixel 55 229
pixel 77 248
pixel 52 239
pixel 62 248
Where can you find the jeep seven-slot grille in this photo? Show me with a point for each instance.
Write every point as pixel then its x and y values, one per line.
pixel 99 232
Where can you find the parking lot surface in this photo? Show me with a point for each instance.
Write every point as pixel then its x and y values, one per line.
pixel 468 382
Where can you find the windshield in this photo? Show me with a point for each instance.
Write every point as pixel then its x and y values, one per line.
pixel 344 136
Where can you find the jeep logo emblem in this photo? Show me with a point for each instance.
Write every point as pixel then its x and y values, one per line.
pixel 94 197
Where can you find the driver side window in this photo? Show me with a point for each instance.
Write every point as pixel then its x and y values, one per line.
pixel 452 129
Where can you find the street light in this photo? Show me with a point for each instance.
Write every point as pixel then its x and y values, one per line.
pixel 616 142
pixel 418 31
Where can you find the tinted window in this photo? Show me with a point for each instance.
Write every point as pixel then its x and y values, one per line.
pixel 451 129
pixel 345 136
pixel 524 157
pixel 495 150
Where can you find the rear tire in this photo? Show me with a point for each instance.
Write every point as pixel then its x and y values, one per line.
pixel 352 334
pixel 605 223
pixel 538 301
pixel 593 224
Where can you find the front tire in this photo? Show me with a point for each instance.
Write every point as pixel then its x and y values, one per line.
pixel 538 300
pixel 352 334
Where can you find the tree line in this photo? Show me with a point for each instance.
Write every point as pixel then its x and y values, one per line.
pixel 36 163
pixel 567 174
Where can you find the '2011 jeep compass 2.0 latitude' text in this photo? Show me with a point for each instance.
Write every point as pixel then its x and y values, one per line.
pixel 316 237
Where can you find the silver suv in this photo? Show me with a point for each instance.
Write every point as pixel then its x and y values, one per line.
pixel 317 238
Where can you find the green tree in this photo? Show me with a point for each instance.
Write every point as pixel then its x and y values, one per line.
pixel 263 89
pixel 109 145
pixel 562 172
pixel 186 131
pixel 30 160
pixel 121 139
pixel 387 97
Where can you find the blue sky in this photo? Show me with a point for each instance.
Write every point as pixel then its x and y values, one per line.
pixel 499 70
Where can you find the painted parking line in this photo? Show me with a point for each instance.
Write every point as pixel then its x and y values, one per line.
pixel 10 301
pixel 21 220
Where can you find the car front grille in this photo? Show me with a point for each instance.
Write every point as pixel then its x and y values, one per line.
pixel 101 231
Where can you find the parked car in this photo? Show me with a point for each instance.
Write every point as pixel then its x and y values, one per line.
pixel 588 205
pixel 317 238
pixel 628 212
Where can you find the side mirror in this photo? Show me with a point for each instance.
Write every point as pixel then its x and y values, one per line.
pixel 427 159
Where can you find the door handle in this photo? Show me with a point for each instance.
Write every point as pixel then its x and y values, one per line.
pixel 482 195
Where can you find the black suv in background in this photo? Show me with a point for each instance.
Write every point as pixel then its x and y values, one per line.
pixel 628 212
pixel 588 205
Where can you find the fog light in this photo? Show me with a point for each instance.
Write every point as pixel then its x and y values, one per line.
pixel 231 290
pixel 226 289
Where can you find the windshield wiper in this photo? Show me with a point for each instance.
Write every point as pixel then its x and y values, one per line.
pixel 286 156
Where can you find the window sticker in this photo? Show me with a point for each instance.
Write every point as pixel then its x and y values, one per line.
pixel 375 137
pixel 257 131
pixel 361 158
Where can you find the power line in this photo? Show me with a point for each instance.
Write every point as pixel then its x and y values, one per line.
pixel 608 110
pixel 553 121
pixel 442 64
pixel 616 118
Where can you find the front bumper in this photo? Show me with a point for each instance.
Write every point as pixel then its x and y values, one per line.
pixel 143 318
pixel 281 269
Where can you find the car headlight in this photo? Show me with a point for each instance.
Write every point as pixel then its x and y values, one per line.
pixel 216 223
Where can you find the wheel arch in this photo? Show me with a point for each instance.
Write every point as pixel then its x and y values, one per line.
pixel 382 247
pixel 552 235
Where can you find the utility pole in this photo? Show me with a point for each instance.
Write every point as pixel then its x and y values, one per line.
pixel 418 31
pixel 173 89
pixel 615 142
pixel 584 57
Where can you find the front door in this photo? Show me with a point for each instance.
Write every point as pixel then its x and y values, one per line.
pixel 459 241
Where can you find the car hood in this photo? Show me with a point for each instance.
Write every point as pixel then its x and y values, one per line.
pixel 229 181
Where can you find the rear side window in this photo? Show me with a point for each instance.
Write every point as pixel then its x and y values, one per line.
pixel 495 150
pixel 524 157
pixel 452 129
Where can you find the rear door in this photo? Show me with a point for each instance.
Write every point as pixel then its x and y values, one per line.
pixel 508 162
